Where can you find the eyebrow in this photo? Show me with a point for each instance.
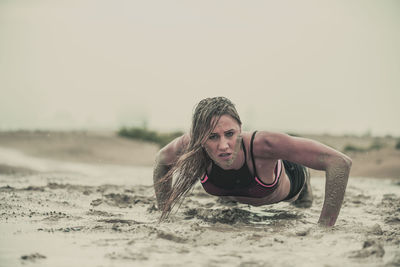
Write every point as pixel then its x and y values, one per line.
pixel 227 131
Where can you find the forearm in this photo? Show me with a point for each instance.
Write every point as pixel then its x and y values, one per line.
pixel 162 188
pixel 336 182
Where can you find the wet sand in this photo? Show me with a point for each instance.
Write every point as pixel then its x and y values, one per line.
pixel 59 212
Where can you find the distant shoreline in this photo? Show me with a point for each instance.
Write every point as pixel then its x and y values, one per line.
pixel 106 147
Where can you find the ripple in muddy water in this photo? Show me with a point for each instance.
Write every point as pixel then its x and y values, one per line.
pixel 124 200
pixel 236 215
pixel 171 237
pixel 101 213
pixel 127 255
pixel 370 248
pixel 120 221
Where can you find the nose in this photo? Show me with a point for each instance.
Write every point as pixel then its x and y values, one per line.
pixel 223 144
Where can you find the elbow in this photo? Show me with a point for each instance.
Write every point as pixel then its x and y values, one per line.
pixel 164 157
pixel 161 156
pixel 343 162
pixel 340 161
pixel 347 161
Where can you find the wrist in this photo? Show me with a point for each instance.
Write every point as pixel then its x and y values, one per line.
pixel 327 220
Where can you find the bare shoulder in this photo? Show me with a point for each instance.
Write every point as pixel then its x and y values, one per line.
pixel 300 150
pixel 169 153
pixel 268 144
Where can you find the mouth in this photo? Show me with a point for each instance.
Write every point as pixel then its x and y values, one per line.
pixel 225 155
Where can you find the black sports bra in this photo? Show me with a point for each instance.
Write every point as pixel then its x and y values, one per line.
pixel 241 182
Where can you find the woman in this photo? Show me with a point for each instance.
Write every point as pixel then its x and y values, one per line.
pixel 256 168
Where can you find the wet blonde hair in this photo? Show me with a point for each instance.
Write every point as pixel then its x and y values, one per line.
pixel 191 165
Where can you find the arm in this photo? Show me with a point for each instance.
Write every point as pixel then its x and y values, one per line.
pixel 316 156
pixel 165 159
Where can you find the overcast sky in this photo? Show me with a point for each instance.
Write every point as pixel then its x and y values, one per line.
pixel 296 66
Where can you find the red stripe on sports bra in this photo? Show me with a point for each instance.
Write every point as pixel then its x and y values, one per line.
pixel 277 173
pixel 205 178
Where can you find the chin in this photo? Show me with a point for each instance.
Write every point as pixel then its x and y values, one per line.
pixel 227 163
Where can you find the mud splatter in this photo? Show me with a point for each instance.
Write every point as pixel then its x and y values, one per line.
pixel 370 248
pixel 236 215
pixel 171 237
pixel 33 257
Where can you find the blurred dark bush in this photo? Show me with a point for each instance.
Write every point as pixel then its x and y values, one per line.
pixel 353 148
pixel 375 145
pixel 144 134
pixel 397 144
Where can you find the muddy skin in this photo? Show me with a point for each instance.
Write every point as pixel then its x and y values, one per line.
pixel 229 163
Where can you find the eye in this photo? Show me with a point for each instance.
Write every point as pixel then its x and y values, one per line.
pixel 229 134
pixel 213 137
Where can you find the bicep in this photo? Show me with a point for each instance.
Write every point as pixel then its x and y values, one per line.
pixel 303 151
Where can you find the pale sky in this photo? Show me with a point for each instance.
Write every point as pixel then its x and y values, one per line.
pixel 295 66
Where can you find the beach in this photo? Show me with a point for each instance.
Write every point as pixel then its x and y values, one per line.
pixel 86 199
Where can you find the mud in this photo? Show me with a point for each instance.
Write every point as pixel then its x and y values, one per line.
pixel 56 213
pixel 119 224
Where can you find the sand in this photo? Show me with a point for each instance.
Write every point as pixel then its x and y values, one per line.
pixel 86 199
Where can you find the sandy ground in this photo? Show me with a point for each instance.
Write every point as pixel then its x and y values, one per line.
pixel 86 199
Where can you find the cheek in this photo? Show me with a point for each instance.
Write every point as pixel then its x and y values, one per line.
pixel 208 148
pixel 237 139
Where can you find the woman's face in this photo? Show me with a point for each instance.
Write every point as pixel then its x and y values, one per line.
pixel 223 144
